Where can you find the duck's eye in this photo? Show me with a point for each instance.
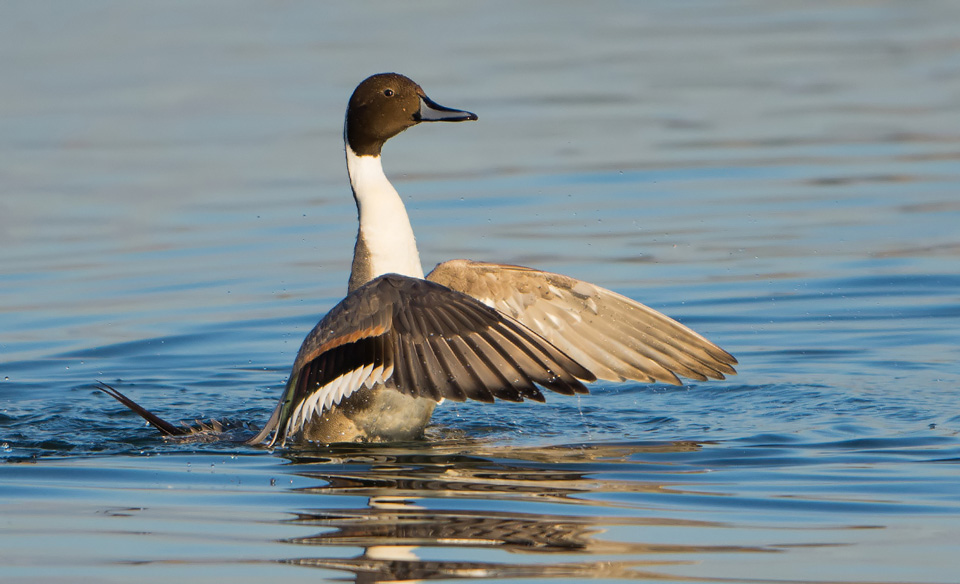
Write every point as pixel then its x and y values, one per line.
pixel 388 92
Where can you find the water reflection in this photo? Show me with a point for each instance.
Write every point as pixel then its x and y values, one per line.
pixel 371 569
pixel 554 473
pixel 428 509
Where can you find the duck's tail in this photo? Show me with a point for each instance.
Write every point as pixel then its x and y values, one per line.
pixel 226 430
pixel 165 427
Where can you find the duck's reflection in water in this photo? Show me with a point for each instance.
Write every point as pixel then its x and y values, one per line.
pixel 439 513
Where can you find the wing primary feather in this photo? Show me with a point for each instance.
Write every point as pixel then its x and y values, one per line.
pixel 461 355
pixel 647 365
pixel 689 361
pixel 400 377
pixel 551 377
pixel 558 362
pixel 485 320
pixel 435 371
pixel 413 373
pixel 480 388
pixel 455 386
pixel 677 342
pixel 646 320
pixel 498 383
pixel 500 359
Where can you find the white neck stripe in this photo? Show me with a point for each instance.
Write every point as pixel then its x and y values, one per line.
pixel 384 223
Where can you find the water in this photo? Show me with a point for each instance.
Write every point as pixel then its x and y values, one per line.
pixel 783 177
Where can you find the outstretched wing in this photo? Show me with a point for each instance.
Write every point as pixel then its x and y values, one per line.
pixel 424 340
pixel 616 338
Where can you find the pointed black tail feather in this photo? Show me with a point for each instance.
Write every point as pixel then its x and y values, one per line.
pixel 165 427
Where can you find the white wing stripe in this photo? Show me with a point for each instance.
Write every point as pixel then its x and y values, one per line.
pixel 324 397
pixel 373 377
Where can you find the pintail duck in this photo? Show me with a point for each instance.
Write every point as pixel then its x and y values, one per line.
pixel 375 367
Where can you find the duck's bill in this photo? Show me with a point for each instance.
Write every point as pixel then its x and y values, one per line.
pixel 431 111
